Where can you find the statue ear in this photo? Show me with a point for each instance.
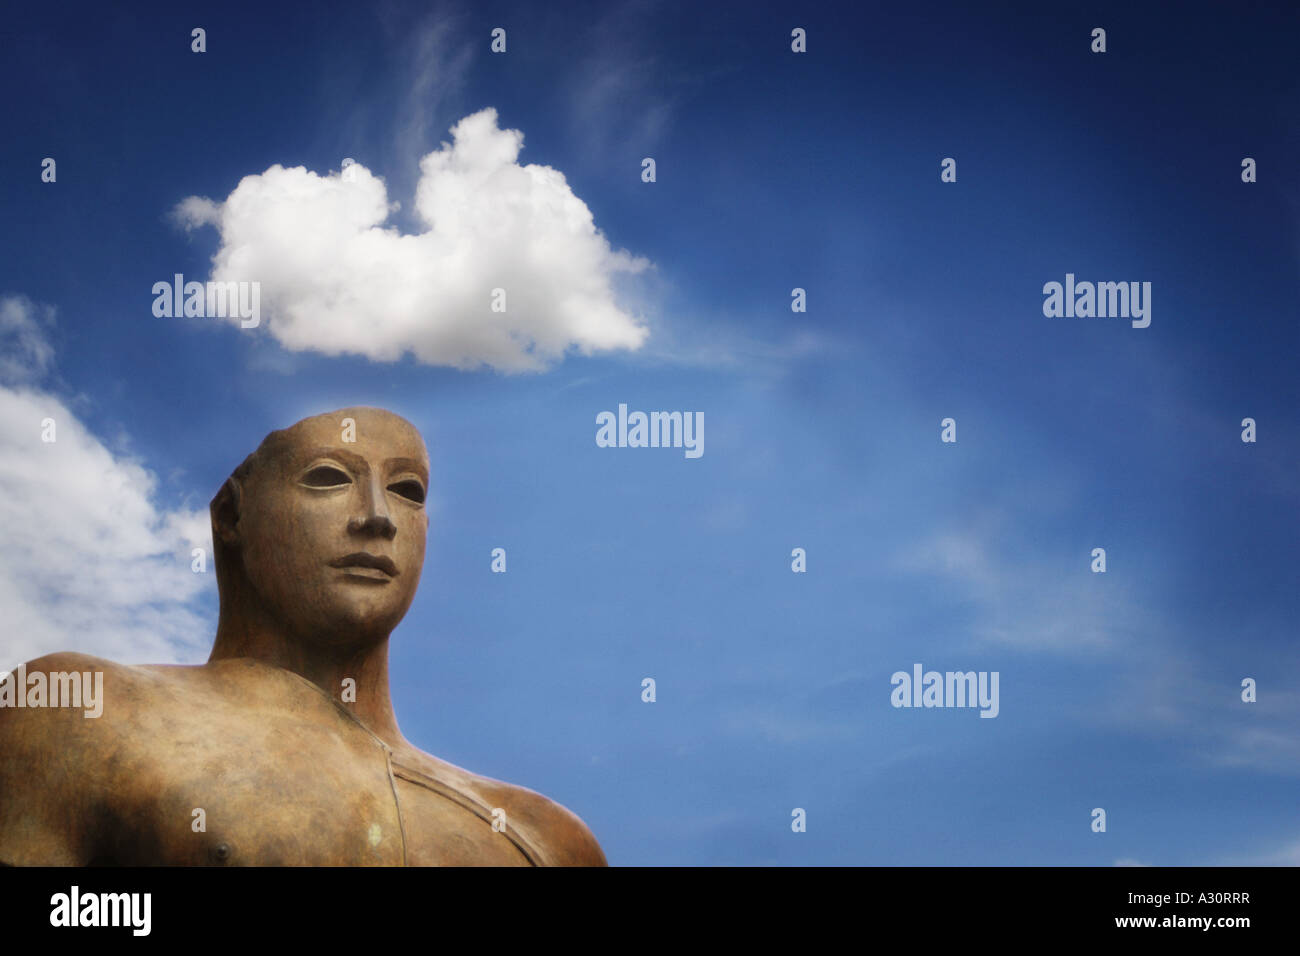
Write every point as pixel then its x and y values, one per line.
pixel 225 511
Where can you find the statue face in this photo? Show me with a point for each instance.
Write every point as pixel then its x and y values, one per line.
pixel 332 532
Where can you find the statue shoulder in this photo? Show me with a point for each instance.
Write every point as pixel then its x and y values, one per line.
pixel 67 661
pixel 555 829
pixel 54 728
pixel 60 688
pixel 67 699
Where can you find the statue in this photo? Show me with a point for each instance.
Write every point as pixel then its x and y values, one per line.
pixel 283 748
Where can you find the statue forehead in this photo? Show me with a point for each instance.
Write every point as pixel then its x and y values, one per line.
pixel 365 431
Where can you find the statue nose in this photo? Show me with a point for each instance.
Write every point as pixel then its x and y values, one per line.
pixel 380 525
pixel 375 520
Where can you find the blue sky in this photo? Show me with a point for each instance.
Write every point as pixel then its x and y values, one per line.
pixel 775 170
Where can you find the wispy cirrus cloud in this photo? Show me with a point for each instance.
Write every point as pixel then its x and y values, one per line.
pixel 1157 685
pixel 1027 601
pixel 614 104
pixel 1285 852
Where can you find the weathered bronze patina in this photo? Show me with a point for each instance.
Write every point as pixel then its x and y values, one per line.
pixel 266 754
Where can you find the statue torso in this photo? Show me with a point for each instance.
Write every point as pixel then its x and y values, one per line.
pixel 282 775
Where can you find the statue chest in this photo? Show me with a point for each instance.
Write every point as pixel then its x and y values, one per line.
pixel 280 790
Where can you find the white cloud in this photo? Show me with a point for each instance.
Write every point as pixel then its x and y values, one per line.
pixel 25 353
pixel 335 280
pixel 194 211
pixel 90 561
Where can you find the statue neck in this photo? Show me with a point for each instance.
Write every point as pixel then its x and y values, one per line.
pixel 354 675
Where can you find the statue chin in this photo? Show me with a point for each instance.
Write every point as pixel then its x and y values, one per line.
pixel 340 623
pixel 351 610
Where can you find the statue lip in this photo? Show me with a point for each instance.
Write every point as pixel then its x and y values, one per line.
pixel 364 559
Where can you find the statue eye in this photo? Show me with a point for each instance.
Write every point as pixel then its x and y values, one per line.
pixel 410 488
pixel 325 476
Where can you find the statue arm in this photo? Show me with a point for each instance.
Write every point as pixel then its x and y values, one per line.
pixel 580 848
pixel 43 810
pixel 566 839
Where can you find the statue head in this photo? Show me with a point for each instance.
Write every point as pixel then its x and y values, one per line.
pixel 320 533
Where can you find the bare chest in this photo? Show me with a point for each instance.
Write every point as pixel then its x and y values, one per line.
pixel 284 790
